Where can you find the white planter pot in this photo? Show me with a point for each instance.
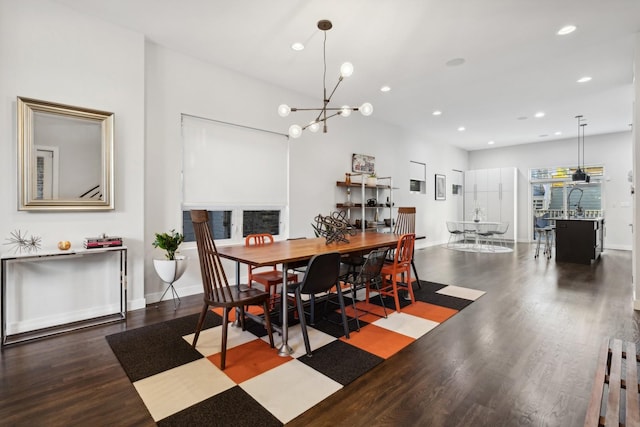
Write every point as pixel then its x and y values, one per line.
pixel 170 270
pixel 372 181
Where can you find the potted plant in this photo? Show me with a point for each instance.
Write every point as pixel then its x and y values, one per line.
pixel 172 266
pixel 372 180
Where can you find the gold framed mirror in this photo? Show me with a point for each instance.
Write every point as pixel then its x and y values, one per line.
pixel 64 157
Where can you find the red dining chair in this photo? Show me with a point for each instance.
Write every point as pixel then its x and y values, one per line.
pixel 400 267
pixel 217 292
pixel 268 277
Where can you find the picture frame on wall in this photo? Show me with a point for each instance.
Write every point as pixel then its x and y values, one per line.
pixel 363 163
pixel 441 187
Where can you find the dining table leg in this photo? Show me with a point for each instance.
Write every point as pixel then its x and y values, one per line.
pixel 285 349
pixel 236 323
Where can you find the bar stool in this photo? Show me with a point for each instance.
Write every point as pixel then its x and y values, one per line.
pixel 547 234
pixel 543 229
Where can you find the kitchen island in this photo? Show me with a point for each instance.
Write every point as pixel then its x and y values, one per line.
pixel 579 240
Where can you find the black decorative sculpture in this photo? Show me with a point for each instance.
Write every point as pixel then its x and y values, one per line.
pixel 334 227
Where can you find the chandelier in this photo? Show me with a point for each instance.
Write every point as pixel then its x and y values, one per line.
pixel 580 174
pixel 325 112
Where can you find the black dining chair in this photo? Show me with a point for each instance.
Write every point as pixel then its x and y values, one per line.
pixel 321 275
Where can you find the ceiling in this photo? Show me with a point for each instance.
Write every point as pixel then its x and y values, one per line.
pixel 514 62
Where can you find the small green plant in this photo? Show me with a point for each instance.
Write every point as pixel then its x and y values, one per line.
pixel 169 242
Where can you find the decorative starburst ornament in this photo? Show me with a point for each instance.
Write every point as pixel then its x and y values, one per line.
pixel 21 243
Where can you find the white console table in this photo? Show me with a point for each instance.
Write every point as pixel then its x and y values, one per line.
pixel 7 259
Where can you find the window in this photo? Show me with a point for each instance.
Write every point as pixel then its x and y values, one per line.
pixel 226 224
pixel 255 222
pixel 417 177
pixel 219 221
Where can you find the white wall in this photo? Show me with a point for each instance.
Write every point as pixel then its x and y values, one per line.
pixel 611 150
pixel 52 53
pixel 177 84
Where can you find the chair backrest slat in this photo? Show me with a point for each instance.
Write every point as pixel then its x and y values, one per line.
pixel 404 250
pixel 258 239
pixel 406 221
pixel 214 280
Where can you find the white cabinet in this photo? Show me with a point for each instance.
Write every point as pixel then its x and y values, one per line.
pixel 494 192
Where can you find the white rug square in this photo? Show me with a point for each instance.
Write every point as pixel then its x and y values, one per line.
pixel 406 324
pixel 171 391
pixel 317 339
pixel 210 340
pixel 290 389
pixel 460 292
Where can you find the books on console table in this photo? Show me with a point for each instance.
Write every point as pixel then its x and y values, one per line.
pixel 102 242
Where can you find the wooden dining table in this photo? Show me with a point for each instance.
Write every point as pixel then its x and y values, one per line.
pixel 286 252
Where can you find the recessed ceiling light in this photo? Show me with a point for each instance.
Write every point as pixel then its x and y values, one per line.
pixel 455 62
pixel 297 46
pixel 385 89
pixel 584 79
pixel 557 133
pixel 566 30
pixel 544 135
pixel 461 129
pixel 437 113
pixel 491 142
pixel 539 114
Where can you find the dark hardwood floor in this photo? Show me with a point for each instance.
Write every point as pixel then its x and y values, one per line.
pixel 523 354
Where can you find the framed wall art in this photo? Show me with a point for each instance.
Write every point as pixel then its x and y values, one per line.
pixel 441 187
pixel 363 163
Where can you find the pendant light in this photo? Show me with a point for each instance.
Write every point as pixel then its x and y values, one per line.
pixel 366 109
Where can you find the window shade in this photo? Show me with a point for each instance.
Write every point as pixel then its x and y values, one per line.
pixel 229 165
pixel 417 171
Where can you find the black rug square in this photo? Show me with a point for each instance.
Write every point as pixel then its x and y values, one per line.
pixel 152 349
pixel 331 324
pixel 448 301
pixel 427 287
pixel 354 362
pixel 233 407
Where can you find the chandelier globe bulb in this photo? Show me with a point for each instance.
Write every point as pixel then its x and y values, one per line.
pixel 346 69
pixel 295 131
pixel 314 127
pixel 345 111
pixel 284 110
pixel 366 109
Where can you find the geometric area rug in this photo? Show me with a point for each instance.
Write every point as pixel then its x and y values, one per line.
pixel 184 386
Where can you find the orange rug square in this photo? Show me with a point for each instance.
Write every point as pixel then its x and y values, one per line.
pixel 429 311
pixel 249 360
pixel 379 341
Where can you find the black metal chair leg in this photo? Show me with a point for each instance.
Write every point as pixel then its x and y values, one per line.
pixel 416 273
pixel 303 323
pixel 342 311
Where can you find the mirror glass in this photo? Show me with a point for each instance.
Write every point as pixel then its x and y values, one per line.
pixel 65 157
